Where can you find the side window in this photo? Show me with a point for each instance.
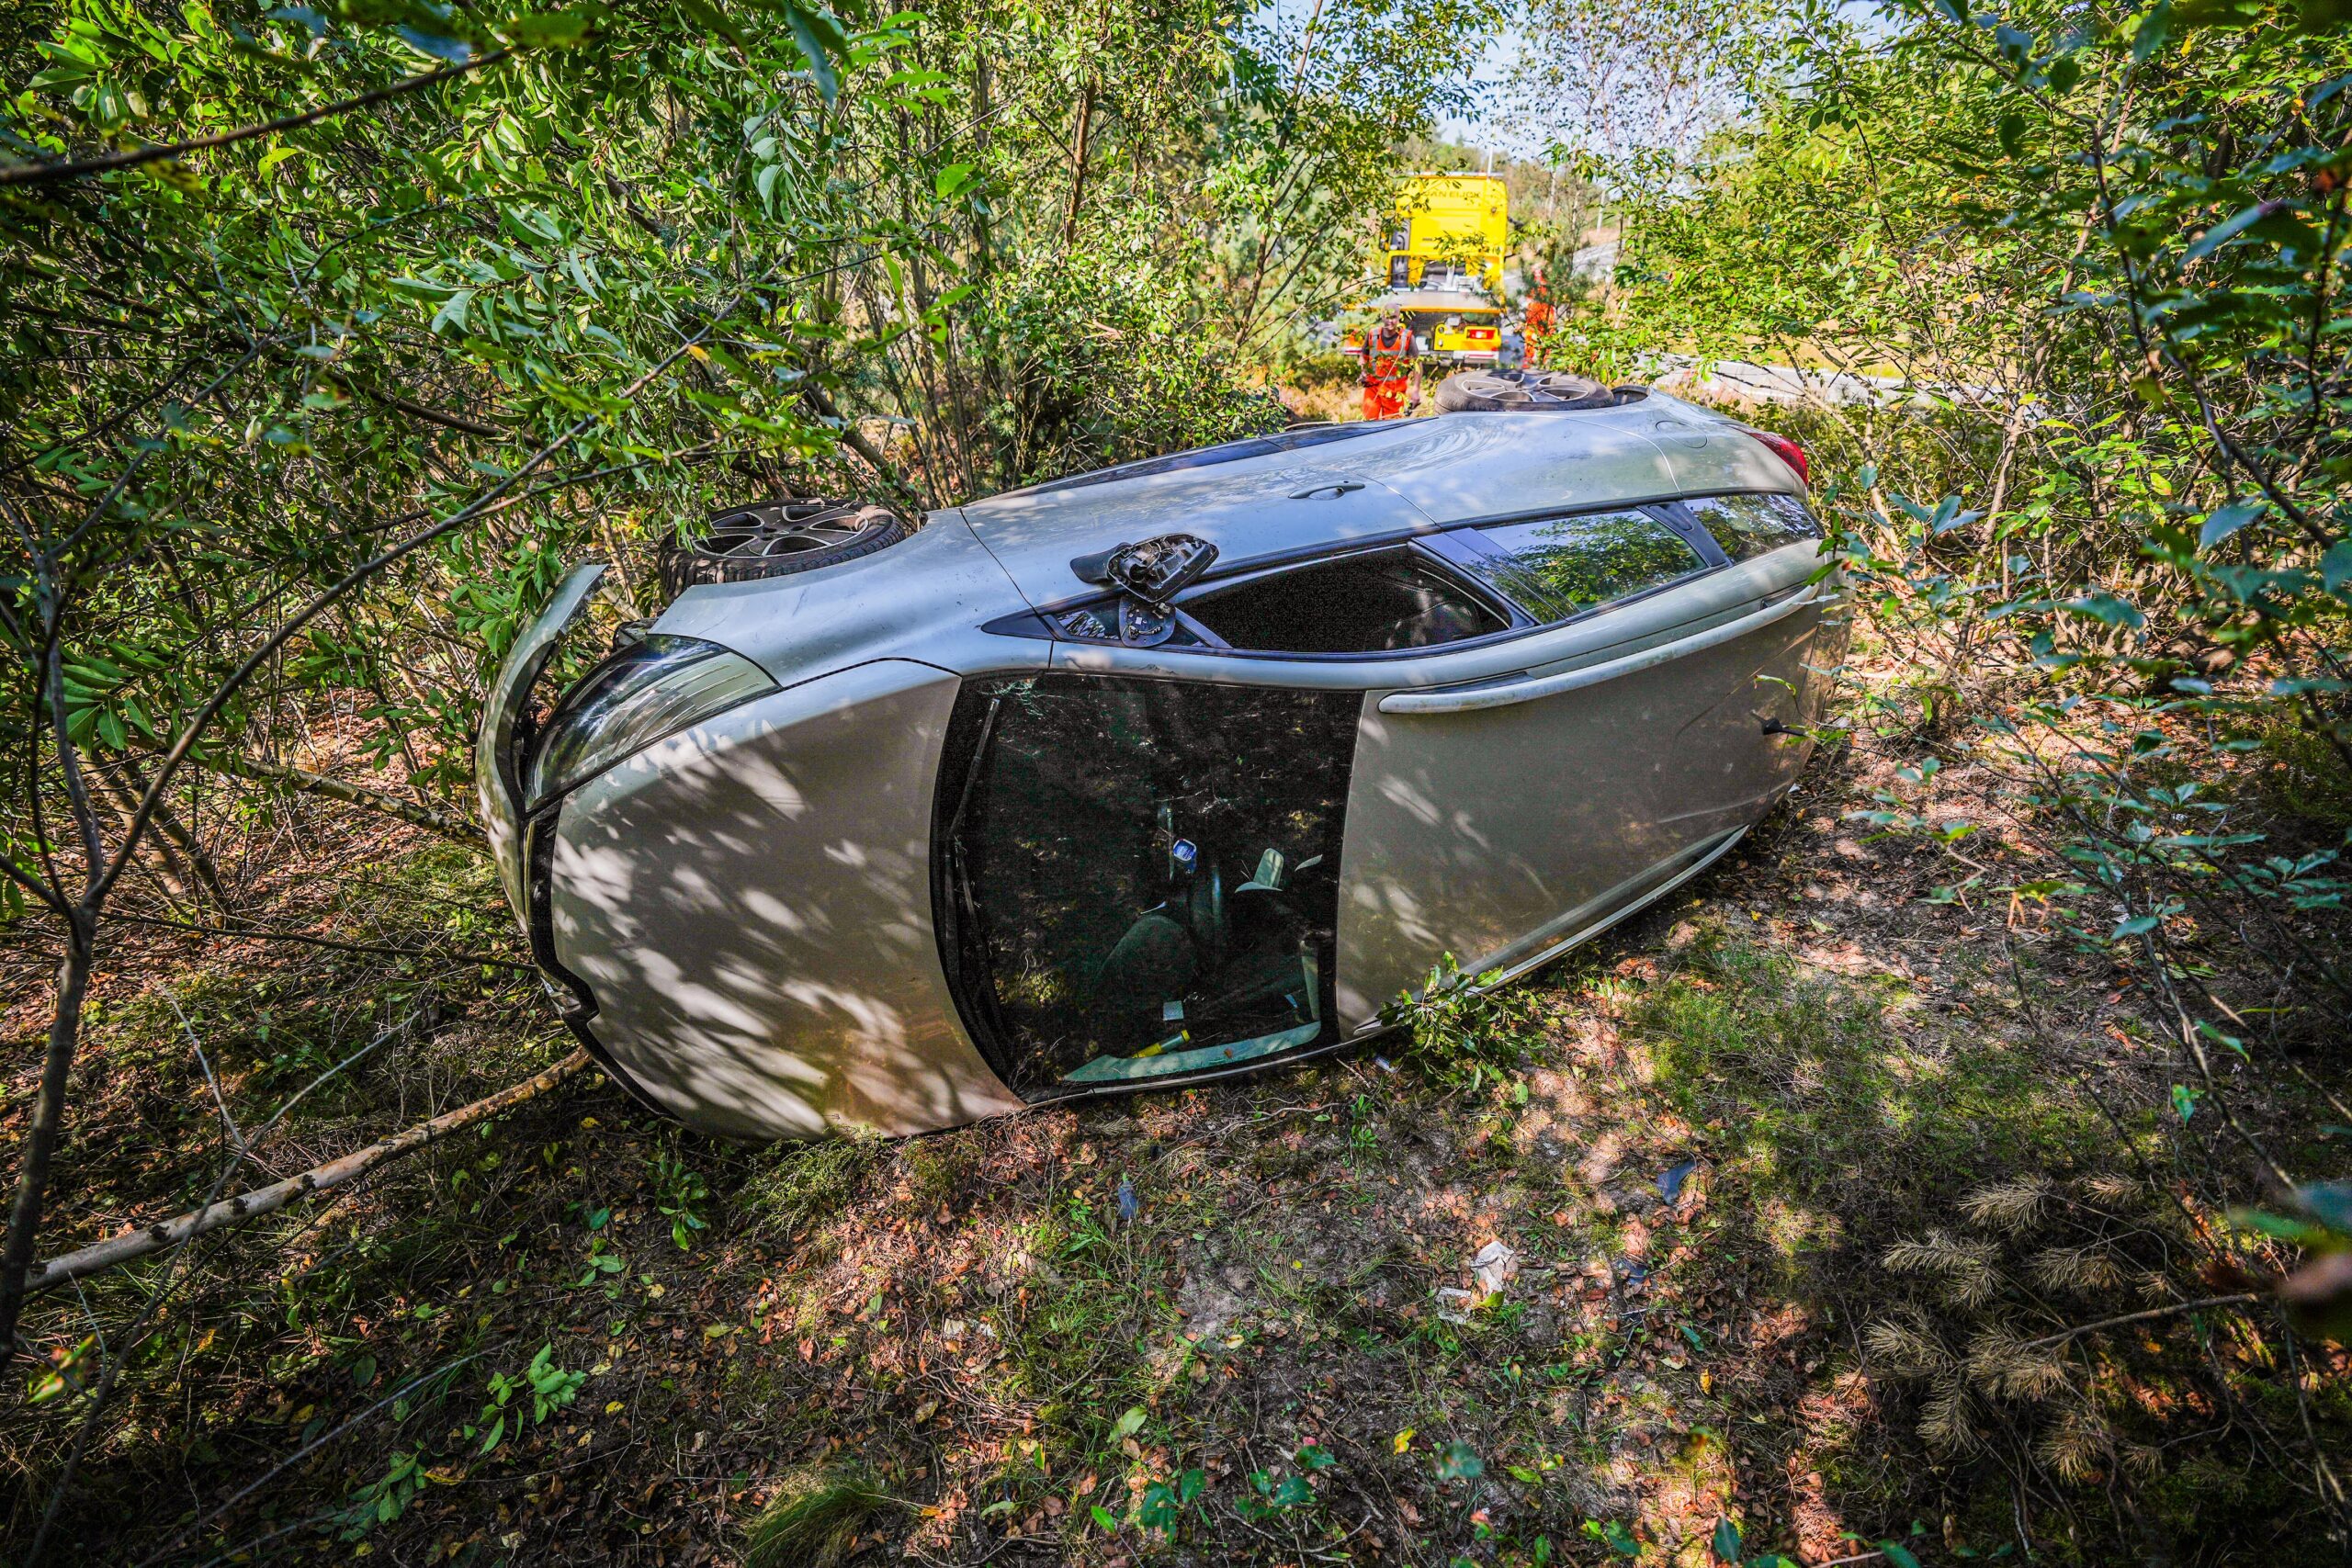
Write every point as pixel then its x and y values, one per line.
pixel 1139 878
pixel 1564 566
pixel 1750 526
pixel 1367 603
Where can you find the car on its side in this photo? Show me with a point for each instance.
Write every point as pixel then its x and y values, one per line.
pixel 1144 776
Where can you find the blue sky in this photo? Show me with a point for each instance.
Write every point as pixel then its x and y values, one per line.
pixel 1484 125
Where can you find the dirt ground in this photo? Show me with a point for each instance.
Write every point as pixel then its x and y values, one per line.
pixel 1616 1274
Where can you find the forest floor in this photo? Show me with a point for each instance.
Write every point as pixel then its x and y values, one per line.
pixel 1241 1322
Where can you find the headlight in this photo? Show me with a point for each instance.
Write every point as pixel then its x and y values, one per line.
pixel 634 698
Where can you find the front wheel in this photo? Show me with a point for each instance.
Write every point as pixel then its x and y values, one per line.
pixel 778 538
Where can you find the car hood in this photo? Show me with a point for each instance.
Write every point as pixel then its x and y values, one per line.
pixel 1413 476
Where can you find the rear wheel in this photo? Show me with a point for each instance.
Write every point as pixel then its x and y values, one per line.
pixel 778 538
pixel 1521 391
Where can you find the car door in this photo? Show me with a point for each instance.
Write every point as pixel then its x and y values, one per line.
pixel 1139 853
pixel 1503 807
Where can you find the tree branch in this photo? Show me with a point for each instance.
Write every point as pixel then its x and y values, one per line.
pixel 261 934
pixel 2245 1299
pixel 43 174
pixel 441 822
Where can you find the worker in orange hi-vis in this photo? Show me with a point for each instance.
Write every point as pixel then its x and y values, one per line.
pixel 1387 366
pixel 1536 325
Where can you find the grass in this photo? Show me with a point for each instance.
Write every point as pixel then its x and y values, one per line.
pixel 813 1521
pixel 956 1346
pixel 1840 1089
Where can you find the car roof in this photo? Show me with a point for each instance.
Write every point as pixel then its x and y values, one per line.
pixel 1397 477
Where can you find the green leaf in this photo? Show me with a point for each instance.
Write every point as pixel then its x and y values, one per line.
pixel 454 311
pixel 553 29
pixel 2225 521
pixel 2222 233
pixel 2329 1202
pixel 1728 1541
pixel 710 18
pixel 1129 1424
pixel 1899 1555
pixel 2184 1099
pixel 951 179
pixel 440 46
pixel 2336 567
pixel 2103 606
pixel 820 39
pixel 1615 1535
pixel 1459 1462
pixel 1106 1519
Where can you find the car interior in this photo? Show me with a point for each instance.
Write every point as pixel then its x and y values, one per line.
pixel 1375 603
pixel 1143 873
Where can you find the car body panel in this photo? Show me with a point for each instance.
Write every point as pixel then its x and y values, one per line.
pixel 1436 806
pixel 1416 476
pixel 926 597
pixel 749 903
pixel 1469 466
pixel 1252 508
pixel 1489 833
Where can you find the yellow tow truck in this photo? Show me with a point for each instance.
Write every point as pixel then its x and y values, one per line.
pixel 1440 260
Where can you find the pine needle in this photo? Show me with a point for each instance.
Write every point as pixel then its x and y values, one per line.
pixel 2007 1206
pixel 813 1521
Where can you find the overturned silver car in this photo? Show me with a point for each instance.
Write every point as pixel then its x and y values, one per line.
pixel 1153 774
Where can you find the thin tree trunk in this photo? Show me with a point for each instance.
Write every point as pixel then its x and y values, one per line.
pixel 172 871
pixel 150 1239
pixel 49 1114
pixel 983 82
pixel 177 832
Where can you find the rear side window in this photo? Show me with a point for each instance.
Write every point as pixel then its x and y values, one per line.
pixel 1750 526
pixel 1368 603
pixel 1564 566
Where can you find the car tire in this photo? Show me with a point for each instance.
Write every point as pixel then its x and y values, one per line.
pixel 778 538
pixel 1521 391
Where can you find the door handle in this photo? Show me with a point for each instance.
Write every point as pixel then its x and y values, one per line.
pixel 1469 699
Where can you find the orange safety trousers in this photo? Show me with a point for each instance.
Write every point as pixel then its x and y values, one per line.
pixel 1385 399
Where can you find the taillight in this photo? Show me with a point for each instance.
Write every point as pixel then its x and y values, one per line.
pixel 1788 451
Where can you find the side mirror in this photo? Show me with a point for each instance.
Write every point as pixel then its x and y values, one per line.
pixel 1154 571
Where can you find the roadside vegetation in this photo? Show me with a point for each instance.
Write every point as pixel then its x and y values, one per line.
pixel 1959 1172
